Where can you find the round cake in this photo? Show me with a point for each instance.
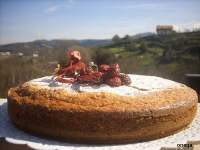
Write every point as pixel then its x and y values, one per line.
pixel 149 108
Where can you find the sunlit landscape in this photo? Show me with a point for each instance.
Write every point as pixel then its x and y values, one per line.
pixel 167 48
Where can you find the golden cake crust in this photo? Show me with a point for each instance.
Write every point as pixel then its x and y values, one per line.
pixel 102 117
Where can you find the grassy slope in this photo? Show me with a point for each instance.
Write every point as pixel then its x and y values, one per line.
pixel 15 70
pixel 153 61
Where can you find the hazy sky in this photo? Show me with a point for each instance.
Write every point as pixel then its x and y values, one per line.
pixel 27 20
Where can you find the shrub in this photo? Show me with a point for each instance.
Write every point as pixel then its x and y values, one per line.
pixel 104 57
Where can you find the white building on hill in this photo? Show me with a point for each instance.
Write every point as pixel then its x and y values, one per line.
pixel 164 29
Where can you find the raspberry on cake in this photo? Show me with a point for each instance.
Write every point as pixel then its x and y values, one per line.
pixel 83 74
pixel 81 105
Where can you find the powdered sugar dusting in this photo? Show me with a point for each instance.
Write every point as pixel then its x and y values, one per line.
pixel 140 85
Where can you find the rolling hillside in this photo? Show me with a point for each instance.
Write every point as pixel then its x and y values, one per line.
pixel 170 56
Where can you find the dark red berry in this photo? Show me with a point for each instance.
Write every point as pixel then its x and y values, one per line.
pixel 126 80
pixel 104 68
pixel 115 70
pixel 92 78
pixel 115 81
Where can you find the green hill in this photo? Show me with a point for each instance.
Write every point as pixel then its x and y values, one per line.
pixel 169 56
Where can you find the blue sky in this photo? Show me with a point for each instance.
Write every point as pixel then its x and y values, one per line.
pixel 27 20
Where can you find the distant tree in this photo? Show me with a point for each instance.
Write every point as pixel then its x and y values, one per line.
pixel 143 47
pixel 126 40
pixel 131 46
pixel 116 38
pixel 195 51
pixel 104 57
pixel 127 37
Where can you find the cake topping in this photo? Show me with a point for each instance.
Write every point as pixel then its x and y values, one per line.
pixel 78 71
pixel 126 80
